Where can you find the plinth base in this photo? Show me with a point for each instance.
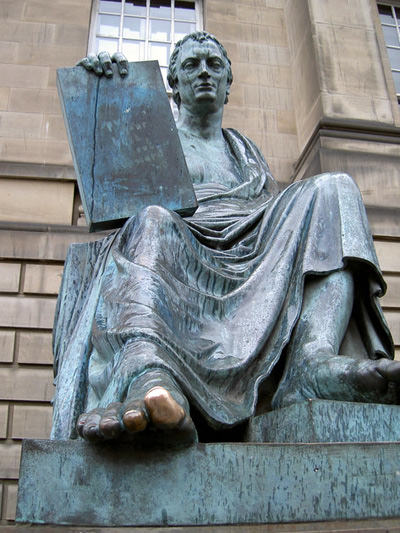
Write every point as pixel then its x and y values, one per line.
pixel 77 483
pixel 327 421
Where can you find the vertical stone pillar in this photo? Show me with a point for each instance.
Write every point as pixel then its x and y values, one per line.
pixel 346 115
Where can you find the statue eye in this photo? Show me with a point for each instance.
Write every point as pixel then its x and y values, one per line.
pixel 189 64
pixel 216 64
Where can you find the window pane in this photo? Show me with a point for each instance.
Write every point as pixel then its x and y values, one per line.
pixel 134 28
pixel 385 14
pixel 159 51
pixel 160 30
pixel 107 45
pixel 110 6
pixel 134 50
pixel 394 57
pixel 391 36
pixel 108 25
pixel 185 11
pixel 135 7
pixel 160 9
pixel 183 28
pixel 397 11
pixel 164 72
pixel 396 77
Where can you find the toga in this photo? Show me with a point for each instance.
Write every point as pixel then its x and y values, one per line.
pixel 212 298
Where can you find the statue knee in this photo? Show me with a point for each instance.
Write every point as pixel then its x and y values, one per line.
pixel 155 213
pixel 339 179
pixel 336 181
pixel 154 216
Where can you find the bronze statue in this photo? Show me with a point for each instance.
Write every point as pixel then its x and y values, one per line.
pixel 259 300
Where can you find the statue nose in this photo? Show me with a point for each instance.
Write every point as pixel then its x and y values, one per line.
pixel 204 69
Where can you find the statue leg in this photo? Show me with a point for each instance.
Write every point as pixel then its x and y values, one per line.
pixel 314 368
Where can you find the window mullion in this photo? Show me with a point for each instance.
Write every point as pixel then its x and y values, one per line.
pixel 121 25
pixel 394 14
pixel 146 44
pixel 198 14
pixel 172 44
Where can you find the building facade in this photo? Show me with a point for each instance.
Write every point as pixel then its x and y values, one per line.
pixel 316 86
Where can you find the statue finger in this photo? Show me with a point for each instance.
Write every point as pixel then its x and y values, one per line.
pixel 105 63
pixel 96 67
pixel 122 63
pixel 85 62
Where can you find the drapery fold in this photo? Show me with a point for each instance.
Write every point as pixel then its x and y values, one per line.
pixel 211 298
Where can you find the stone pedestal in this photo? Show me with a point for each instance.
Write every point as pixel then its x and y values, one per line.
pixel 327 421
pixel 78 483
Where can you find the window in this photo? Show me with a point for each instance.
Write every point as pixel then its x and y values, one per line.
pixel 390 20
pixel 143 29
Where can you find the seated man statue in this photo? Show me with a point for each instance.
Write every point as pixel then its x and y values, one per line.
pixel 175 325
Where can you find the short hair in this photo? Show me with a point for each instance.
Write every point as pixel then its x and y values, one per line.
pixel 199 36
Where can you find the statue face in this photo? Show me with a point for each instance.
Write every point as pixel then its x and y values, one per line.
pixel 201 75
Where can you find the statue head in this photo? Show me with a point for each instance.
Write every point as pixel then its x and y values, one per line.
pixel 200 37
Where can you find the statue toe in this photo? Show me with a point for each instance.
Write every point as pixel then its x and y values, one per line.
pixel 134 419
pixel 164 411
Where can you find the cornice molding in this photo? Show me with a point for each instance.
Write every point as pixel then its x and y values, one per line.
pixel 44 171
pixel 362 130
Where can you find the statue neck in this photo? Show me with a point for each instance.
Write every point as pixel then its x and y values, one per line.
pixel 207 126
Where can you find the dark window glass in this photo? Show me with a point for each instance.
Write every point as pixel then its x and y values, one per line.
pixel 185 11
pixel 108 25
pixel 135 7
pixel 396 77
pixel 134 28
pixel 134 50
pixel 385 14
pixel 160 9
pixel 391 36
pixel 160 30
pixel 107 45
pixel 160 52
pixel 110 6
pixel 394 57
pixel 183 28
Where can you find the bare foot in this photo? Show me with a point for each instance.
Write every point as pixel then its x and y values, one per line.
pixel 339 377
pixel 161 412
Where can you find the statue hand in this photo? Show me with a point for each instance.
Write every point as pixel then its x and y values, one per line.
pixel 102 64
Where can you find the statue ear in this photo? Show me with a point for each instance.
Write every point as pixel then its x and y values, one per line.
pixel 176 96
pixel 227 93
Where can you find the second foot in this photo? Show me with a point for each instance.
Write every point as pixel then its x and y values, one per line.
pixel 338 377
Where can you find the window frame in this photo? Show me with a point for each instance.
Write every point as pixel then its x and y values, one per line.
pixel 393 5
pixel 96 11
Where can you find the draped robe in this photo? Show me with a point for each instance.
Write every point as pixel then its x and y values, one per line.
pixel 212 298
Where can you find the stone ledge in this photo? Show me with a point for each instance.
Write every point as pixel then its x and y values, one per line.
pixel 342 526
pixel 327 421
pixel 77 483
pixel 11 169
